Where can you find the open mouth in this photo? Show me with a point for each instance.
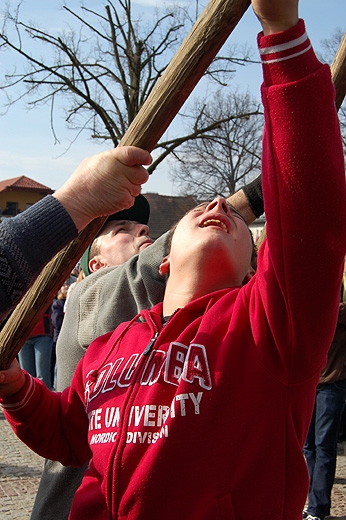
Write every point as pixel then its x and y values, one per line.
pixel 214 222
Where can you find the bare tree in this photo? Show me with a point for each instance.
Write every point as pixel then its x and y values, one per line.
pixel 329 49
pixel 227 155
pixel 104 71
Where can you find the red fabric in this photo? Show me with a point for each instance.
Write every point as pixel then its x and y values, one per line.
pixel 44 326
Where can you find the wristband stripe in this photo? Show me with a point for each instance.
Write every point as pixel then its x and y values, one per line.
pixel 285 51
pixel 15 407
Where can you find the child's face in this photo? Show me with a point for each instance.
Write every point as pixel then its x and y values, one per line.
pixel 215 235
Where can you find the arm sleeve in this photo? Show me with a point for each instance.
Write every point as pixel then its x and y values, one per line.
pixel 253 193
pixel 52 424
pixel 304 193
pixel 27 243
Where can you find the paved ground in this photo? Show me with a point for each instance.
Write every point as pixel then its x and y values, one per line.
pixel 20 471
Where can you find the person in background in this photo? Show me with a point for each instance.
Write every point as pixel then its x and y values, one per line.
pixel 124 235
pixel 36 353
pixel 320 448
pixel 57 317
pixel 98 187
pixel 79 277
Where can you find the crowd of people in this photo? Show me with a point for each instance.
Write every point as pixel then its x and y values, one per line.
pixel 170 351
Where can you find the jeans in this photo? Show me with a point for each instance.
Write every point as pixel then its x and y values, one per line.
pixel 320 448
pixel 35 357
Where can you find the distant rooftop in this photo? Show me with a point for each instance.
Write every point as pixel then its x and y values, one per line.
pixel 24 183
pixel 165 211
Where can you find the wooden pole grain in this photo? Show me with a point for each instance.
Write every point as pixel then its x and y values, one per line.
pixel 206 38
pixel 338 69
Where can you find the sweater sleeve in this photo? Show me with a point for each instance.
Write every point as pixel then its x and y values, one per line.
pixel 253 193
pixel 52 424
pixel 27 243
pixel 303 181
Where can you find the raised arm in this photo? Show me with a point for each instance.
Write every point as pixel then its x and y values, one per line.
pixel 100 186
pixel 304 191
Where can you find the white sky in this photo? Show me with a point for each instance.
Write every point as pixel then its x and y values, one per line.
pixel 26 142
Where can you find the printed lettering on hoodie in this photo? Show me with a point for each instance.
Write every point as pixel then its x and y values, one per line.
pixel 147 423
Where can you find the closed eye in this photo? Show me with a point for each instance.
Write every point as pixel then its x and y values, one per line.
pixel 235 213
pixel 123 226
pixel 201 206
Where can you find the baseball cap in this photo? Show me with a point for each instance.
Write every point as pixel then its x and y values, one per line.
pixel 139 212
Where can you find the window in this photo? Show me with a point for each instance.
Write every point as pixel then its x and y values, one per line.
pixel 11 208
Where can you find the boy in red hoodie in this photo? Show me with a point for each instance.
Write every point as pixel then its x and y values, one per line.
pixel 165 406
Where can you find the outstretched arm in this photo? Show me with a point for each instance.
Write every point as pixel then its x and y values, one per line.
pixel 101 185
pixel 303 182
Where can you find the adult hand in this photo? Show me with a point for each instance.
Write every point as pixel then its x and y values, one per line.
pixel 104 184
pixel 276 15
pixel 11 380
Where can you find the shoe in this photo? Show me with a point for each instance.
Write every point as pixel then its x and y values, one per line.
pixel 310 517
pixel 305 514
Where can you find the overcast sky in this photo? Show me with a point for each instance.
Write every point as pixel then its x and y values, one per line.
pixel 26 142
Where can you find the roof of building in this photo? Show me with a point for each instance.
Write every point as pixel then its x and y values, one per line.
pixel 165 211
pixel 23 183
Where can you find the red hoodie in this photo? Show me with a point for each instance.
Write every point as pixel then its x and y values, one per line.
pixel 205 418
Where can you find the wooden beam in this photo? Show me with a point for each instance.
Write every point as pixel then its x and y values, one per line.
pixel 206 38
pixel 338 69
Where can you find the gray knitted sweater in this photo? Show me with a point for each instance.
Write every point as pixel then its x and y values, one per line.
pixel 27 243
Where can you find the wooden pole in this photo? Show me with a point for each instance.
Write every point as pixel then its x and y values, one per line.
pixel 206 38
pixel 338 70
